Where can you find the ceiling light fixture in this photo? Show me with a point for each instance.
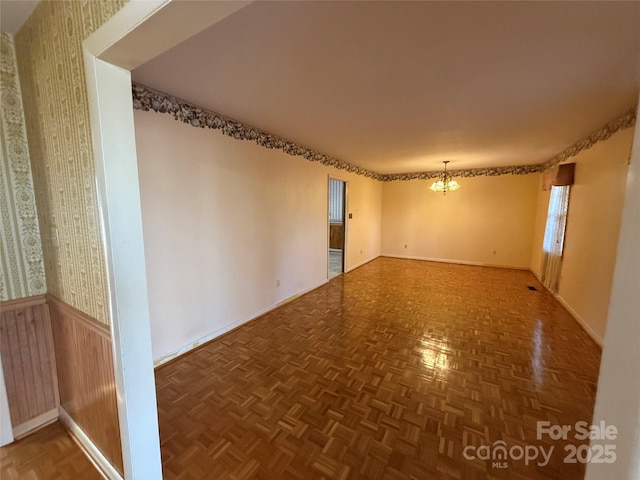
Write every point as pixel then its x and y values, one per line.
pixel 444 183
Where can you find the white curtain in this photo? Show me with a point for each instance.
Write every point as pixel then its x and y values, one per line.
pixel 551 267
pixel 336 201
pixel 554 237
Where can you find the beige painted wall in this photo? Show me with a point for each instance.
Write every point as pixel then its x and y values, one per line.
pixel 21 263
pixel 49 53
pixel 618 399
pixel 593 225
pixel 486 214
pixel 225 220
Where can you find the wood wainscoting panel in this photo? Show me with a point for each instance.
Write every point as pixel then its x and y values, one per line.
pixel 28 363
pixel 85 377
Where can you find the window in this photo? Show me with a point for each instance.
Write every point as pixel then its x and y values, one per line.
pixel 556 220
pixel 553 243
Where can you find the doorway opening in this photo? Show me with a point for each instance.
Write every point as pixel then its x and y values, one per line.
pixel 337 226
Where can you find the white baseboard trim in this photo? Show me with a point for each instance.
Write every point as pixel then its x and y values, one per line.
pixel 96 457
pixel 35 423
pixel 357 265
pixel 579 320
pixel 538 277
pixel 459 262
pixel 207 338
pixel 585 326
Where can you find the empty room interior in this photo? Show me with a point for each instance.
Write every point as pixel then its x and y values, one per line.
pixel 307 240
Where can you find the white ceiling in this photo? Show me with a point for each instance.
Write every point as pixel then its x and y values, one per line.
pixel 400 86
pixel 13 14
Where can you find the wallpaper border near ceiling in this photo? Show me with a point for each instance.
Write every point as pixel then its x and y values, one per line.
pixel 22 272
pixel 145 98
pixel 621 123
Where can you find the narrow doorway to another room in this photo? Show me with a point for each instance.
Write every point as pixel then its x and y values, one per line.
pixel 337 230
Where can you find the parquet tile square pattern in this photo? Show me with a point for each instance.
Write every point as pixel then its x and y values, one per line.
pixel 387 372
pixel 47 454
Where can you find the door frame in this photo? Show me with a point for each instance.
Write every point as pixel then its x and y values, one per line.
pixel 139 31
pixel 345 207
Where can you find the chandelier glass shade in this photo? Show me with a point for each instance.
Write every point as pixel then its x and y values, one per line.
pixel 444 183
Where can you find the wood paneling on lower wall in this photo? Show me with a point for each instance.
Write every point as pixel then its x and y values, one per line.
pixel 85 377
pixel 28 363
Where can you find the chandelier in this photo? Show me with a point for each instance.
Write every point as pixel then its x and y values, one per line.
pixel 444 183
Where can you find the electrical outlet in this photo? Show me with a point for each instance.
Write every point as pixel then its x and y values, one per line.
pixel 277 283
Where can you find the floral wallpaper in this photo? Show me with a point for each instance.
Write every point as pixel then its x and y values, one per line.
pixel 22 267
pixel 469 172
pixel 145 98
pixel 50 62
pixel 625 121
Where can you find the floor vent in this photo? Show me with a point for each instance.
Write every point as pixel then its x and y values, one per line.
pixel 531 287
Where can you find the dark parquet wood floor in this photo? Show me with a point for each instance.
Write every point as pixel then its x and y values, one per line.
pixel 48 454
pixel 387 372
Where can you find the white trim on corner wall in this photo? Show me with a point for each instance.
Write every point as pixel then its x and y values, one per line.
pixel 35 423
pixel 6 428
pixel 535 274
pixel 358 265
pixel 139 31
pixel 585 326
pixel 118 200
pixel 227 328
pixel 579 320
pixel 101 463
pixel 459 262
